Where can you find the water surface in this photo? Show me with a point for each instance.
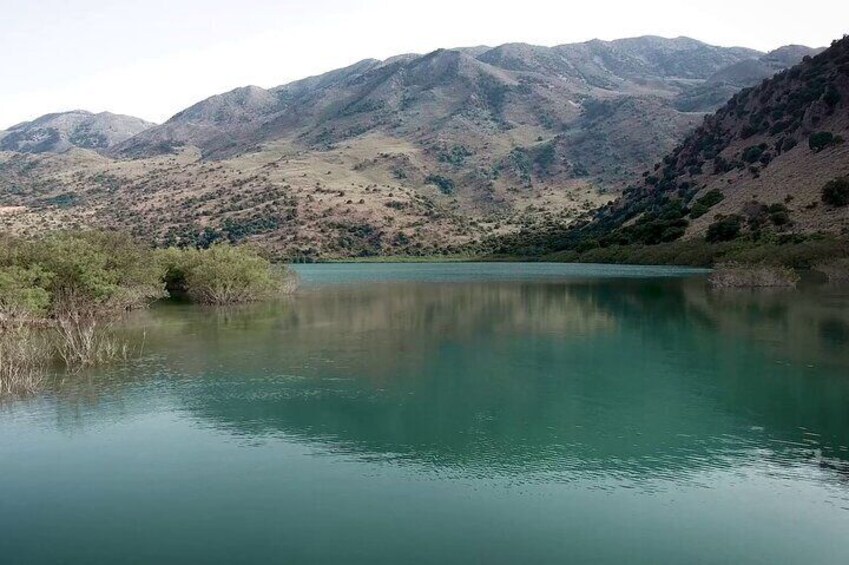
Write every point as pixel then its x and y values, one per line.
pixel 452 413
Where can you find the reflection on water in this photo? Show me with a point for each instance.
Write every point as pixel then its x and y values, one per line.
pixel 646 383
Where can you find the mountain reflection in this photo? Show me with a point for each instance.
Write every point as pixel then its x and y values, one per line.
pixel 632 378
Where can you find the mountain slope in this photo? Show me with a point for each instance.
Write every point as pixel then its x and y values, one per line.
pixel 722 84
pixel 756 167
pixel 495 106
pixel 418 154
pixel 54 133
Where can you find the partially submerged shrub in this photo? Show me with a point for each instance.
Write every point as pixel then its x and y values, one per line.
pixel 76 285
pixel 740 275
pixel 837 271
pixel 94 278
pixel 24 353
pixel 60 295
pixel 22 294
pixel 224 274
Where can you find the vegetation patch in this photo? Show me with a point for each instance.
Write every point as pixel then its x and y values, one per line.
pixel 61 295
pixel 223 274
pixel 726 228
pixel 836 192
pixel 705 203
pixel 444 184
pixel 836 270
pixel 822 140
pixel 738 275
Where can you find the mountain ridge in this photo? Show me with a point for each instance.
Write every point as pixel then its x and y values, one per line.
pixel 415 154
pixel 757 168
pixel 59 131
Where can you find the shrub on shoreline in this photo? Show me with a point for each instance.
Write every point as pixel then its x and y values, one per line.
pixel 739 275
pixel 60 295
pixel 836 271
pixel 224 274
pixel 24 354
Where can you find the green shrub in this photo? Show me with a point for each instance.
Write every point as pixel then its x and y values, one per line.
pixel 822 140
pixel 77 284
pixel 223 274
pixel 724 229
pixel 753 154
pixel 444 184
pixel 22 293
pixel 705 203
pixel 836 192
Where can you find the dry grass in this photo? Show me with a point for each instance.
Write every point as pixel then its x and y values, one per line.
pixel 740 275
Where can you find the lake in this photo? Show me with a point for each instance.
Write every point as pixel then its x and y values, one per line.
pixel 449 413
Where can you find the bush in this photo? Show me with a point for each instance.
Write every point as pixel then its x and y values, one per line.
pixel 72 287
pixel 753 154
pixel 836 270
pixel 724 229
pixel 836 192
pixel 444 184
pixel 92 279
pixel 223 274
pixel 22 294
pixel 823 139
pixel 737 275
pixel 23 357
pixel 705 203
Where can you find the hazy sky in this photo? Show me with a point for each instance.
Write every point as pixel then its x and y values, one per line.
pixel 152 58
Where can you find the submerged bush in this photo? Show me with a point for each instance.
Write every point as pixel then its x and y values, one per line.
pixel 24 353
pixel 60 295
pixel 224 274
pixel 836 271
pixel 92 279
pixel 740 275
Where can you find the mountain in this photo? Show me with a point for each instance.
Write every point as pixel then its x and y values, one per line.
pixel 59 132
pixel 507 86
pixel 417 154
pixel 758 168
pixel 722 84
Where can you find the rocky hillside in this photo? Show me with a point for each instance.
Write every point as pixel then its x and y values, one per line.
pixel 523 97
pixel 55 133
pixel 772 162
pixel 724 83
pixel 415 154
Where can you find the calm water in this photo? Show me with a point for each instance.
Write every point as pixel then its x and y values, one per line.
pixel 450 414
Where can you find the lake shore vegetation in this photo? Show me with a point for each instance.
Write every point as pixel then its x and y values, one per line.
pixel 61 295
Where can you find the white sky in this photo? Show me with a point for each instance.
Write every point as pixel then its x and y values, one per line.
pixel 152 58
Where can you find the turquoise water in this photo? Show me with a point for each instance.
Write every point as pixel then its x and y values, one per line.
pixel 453 413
